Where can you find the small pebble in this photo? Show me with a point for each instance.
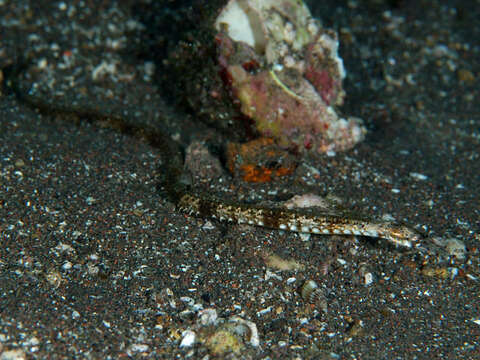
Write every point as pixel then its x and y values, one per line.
pixel 264 311
pixel 418 176
pixel 137 348
pixel 466 76
pixel 456 248
pixel 16 354
pixel 208 316
pixel 291 280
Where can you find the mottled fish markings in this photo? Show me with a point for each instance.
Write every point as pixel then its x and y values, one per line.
pixel 323 223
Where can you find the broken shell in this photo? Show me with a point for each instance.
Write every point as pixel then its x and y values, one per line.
pixel 309 290
pixel 231 337
pixel 247 327
pixel 311 293
pixel 366 276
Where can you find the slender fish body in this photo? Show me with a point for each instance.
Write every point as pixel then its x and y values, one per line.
pixel 323 223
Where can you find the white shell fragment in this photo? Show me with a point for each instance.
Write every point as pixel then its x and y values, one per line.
pixel 188 339
pixel 254 337
pixel 242 24
pixel 208 316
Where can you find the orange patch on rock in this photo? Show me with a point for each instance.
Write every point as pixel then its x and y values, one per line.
pixel 259 160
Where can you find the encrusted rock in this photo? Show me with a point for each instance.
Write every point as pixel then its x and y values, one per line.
pixel 284 71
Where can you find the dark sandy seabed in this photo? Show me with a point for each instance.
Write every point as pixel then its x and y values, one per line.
pixel 96 263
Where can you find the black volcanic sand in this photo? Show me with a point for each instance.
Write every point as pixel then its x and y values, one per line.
pixel 95 262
